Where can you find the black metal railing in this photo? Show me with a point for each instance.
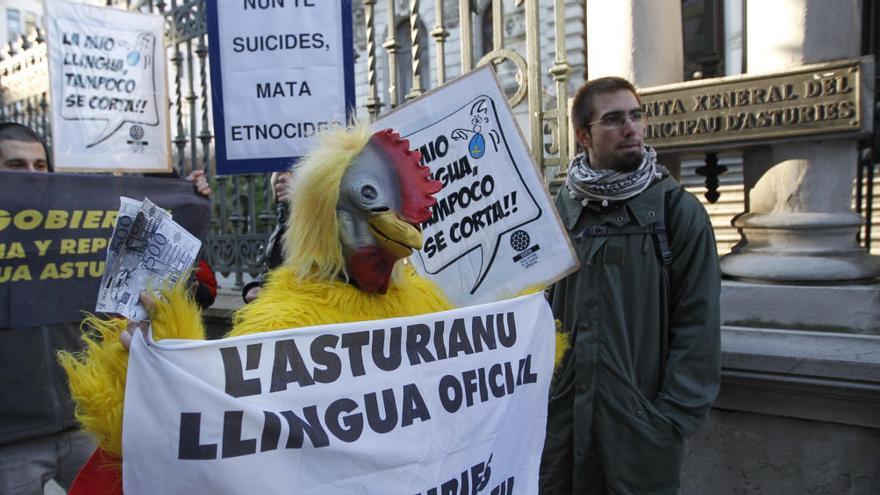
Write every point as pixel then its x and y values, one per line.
pixel 243 214
pixel 243 209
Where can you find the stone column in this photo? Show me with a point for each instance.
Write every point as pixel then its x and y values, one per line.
pixel 639 40
pixel 800 227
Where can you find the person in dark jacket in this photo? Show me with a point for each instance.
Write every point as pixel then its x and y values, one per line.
pixel 272 256
pixel 642 314
pixel 39 438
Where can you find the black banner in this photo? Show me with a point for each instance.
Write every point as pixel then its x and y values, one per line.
pixel 54 230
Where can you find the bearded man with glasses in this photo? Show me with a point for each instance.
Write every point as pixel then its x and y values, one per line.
pixel 641 315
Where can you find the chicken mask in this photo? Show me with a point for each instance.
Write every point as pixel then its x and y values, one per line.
pixel 380 193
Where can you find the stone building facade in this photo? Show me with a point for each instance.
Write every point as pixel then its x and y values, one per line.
pixel 799 410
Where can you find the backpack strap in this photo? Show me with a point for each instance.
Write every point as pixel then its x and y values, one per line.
pixel 658 230
pixel 671 198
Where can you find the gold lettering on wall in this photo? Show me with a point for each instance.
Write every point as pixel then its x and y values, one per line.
pixel 813 100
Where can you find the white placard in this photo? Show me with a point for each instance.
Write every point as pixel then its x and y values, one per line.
pixel 419 405
pixel 494 231
pixel 284 72
pixel 108 88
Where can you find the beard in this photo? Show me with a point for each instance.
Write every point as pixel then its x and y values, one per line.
pixel 628 162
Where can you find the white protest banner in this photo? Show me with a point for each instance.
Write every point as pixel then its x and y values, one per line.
pixel 281 71
pixel 494 231
pixel 108 88
pixel 451 402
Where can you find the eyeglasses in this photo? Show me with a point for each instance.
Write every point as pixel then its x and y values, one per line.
pixel 616 120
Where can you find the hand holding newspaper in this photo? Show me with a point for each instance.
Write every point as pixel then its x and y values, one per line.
pixel 147 250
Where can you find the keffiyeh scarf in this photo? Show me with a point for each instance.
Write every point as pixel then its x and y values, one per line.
pixel 588 184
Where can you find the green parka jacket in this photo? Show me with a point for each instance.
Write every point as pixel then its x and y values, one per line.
pixel 644 363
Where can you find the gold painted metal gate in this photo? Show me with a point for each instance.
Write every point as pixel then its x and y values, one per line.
pixel 243 210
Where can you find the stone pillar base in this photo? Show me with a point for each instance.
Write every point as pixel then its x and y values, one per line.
pixel 800 248
pixel 847 308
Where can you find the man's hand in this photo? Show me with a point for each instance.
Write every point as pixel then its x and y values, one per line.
pixel 200 183
pixel 125 337
pixel 281 181
pixel 252 294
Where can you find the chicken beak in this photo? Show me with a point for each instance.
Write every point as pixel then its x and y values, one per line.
pixel 394 235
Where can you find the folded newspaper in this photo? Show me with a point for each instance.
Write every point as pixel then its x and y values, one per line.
pixel 147 250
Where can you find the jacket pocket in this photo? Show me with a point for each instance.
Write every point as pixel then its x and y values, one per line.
pixel 643 449
pixel 652 415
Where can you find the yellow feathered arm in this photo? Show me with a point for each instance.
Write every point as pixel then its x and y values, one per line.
pixel 287 301
pixel 97 375
pixel 563 343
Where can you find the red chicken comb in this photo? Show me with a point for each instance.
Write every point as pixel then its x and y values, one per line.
pixel 417 189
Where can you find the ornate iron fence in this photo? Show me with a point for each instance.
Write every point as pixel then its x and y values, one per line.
pixel 243 214
pixel 547 124
pixel 243 207
pixel 24 79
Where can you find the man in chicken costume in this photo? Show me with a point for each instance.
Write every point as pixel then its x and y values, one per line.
pixel 356 202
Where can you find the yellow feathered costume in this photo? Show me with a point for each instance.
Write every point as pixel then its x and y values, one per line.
pixel 311 288
pixel 316 285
